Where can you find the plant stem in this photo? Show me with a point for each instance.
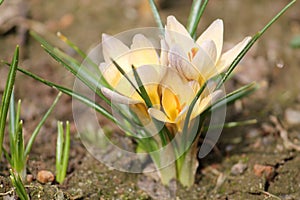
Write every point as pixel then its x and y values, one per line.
pixel 7 94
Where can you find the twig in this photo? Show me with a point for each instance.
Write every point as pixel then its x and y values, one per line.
pixel 284 135
pixel 7 193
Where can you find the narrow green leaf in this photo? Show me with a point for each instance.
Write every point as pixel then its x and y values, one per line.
pixel 156 14
pixel 196 13
pixel 39 126
pixel 20 160
pixel 232 124
pixel 7 94
pixel 73 66
pixel 78 51
pixel 127 78
pixel 66 152
pixel 250 44
pixel 12 114
pixel 1 1
pixel 19 186
pixel 77 96
pixel 232 97
pixel 142 89
pixel 59 150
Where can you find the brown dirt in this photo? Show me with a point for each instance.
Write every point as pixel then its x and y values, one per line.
pixel 83 21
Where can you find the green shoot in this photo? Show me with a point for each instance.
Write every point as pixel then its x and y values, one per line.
pixel 7 95
pixel 18 152
pixel 156 14
pixel 19 186
pixel 62 151
pixel 196 13
pixel 1 1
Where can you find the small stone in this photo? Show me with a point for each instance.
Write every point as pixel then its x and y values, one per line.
pixel 45 176
pixel 292 116
pixel 238 168
pixel 29 178
pixel 264 170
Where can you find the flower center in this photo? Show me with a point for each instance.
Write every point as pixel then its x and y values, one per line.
pixel 192 53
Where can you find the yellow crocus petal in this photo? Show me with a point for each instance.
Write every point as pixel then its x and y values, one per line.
pixel 152 91
pixel 142 52
pixel 171 104
pixel 215 33
pixel 203 103
pixel 141 111
pixel 228 57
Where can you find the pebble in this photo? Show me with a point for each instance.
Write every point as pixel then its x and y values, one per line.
pixel 264 170
pixel 45 176
pixel 292 116
pixel 238 168
pixel 29 178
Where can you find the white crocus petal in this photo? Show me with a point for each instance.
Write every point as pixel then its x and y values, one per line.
pixel 204 64
pixel 176 33
pixel 213 32
pixel 118 98
pixel 228 57
pixel 164 53
pixel 113 48
pixel 142 52
pixel 210 48
pixel 159 115
pixel 179 60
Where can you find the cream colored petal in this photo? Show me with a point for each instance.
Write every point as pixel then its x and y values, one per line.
pixel 210 48
pixel 228 57
pixel 164 53
pixel 179 60
pixel 215 33
pixel 204 64
pixel 176 33
pixel 112 48
pixel 142 52
pixel 117 97
pixel 159 115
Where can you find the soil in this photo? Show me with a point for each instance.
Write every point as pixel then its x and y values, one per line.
pixel 249 162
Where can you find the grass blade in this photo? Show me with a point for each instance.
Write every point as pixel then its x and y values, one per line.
pixel 66 152
pixel 142 89
pixel 40 124
pixel 196 13
pixel 69 92
pixel 78 51
pixel 1 1
pixel 59 150
pixel 19 186
pixel 156 14
pixel 232 97
pixel 250 44
pixel 7 95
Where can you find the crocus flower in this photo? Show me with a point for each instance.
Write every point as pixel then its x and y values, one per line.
pixel 169 92
pixel 202 59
